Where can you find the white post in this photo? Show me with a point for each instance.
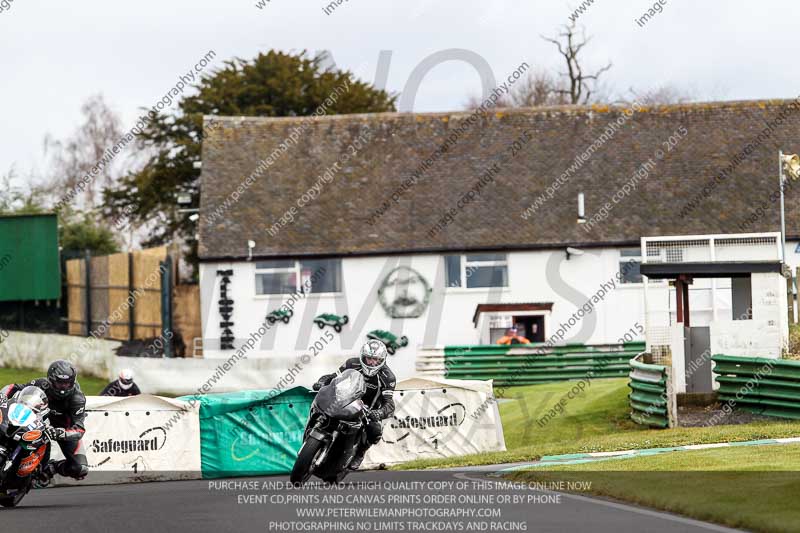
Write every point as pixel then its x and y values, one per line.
pixel 643 252
pixel 712 247
pixel 783 219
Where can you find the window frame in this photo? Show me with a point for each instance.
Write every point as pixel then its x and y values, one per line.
pixel 623 258
pixel 296 268
pixel 464 265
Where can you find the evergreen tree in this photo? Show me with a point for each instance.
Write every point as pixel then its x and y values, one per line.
pixel 274 84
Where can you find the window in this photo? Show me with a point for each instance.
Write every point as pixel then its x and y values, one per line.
pixel 286 276
pixel 324 275
pixel 475 271
pixel 630 262
pixel 276 277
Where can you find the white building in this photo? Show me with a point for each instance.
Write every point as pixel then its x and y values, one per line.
pixel 377 210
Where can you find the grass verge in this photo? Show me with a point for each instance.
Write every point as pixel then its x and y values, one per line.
pixel 595 421
pixel 750 487
pixel 90 386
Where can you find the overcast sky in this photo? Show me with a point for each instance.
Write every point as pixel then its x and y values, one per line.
pixel 56 54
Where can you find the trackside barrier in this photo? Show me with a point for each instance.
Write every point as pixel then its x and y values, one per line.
pixel 140 438
pixel 652 400
pixel 531 364
pixel 437 418
pixel 766 386
pixel 252 433
pixel 257 433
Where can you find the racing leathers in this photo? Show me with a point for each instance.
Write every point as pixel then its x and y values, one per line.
pixel 379 399
pixel 67 417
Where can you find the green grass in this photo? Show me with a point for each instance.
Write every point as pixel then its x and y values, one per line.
pixel 750 487
pixel 600 410
pixel 595 421
pixel 89 385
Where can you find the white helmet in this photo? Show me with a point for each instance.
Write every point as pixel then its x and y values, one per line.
pixel 33 397
pixel 373 357
pixel 126 378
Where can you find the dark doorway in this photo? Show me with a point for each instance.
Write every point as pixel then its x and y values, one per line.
pixel 530 327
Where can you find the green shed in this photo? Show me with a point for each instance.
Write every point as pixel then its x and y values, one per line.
pixel 252 433
pixel 29 258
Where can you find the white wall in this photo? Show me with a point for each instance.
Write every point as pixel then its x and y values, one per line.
pixel 179 377
pixel 541 276
pixel 36 351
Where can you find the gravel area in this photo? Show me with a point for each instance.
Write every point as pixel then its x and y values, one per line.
pixel 692 416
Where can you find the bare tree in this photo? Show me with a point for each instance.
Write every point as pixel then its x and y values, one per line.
pixel 663 94
pixel 581 86
pixel 88 147
pixel 539 88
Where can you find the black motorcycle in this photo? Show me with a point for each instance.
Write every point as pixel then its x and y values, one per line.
pixel 24 445
pixel 335 428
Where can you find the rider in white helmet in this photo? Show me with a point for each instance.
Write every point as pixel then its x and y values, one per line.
pixel 122 386
pixel 379 397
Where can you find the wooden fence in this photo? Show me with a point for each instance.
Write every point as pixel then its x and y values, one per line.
pixel 120 293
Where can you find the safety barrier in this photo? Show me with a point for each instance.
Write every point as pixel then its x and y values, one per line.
pixel 765 386
pixel 256 433
pixel 531 364
pixel 651 399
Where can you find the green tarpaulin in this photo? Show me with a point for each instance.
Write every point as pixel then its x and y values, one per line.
pixel 253 432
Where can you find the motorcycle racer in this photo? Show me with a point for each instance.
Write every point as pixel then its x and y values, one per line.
pixel 379 397
pixel 123 386
pixel 67 416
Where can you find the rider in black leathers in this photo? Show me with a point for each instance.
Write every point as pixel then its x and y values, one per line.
pixel 379 396
pixel 67 416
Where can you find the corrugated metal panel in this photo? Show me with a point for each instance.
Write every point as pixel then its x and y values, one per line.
pixel 650 394
pixel 766 386
pixel 29 258
pixel 529 364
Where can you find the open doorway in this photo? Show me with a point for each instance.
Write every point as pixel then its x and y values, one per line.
pixel 531 327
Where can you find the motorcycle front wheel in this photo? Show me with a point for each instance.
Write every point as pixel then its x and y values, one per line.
pixel 305 459
pixel 13 501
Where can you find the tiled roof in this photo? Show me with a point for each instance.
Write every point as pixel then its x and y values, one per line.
pixel 344 217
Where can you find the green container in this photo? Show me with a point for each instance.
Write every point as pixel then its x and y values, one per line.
pixel 29 258
pixel 252 433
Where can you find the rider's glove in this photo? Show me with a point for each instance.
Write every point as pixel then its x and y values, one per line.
pixel 56 434
pixel 316 386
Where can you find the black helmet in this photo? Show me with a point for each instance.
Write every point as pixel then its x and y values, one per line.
pixel 61 376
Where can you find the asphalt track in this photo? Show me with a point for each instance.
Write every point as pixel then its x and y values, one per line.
pixel 195 506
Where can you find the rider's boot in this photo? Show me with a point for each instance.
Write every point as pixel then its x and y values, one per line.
pixel 45 475
pixel 358 458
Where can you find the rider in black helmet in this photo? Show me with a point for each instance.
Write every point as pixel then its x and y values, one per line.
pixel 379 397
pixel 67 415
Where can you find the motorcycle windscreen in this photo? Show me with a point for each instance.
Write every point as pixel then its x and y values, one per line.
pixel 339 398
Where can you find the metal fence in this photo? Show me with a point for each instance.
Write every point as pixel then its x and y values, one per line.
pixel 516 365
pixel 764 386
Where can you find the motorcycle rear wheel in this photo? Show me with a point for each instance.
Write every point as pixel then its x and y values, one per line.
pixel 305 459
